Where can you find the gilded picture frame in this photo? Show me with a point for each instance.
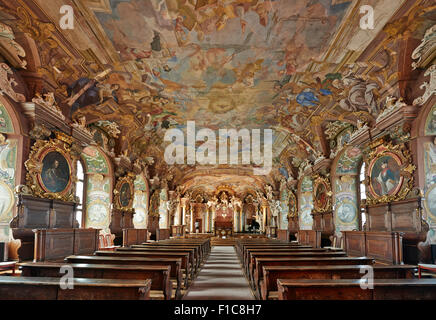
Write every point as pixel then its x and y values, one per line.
pixel 51 172
pixel 389 173
pixel 124 193
pixel 322 194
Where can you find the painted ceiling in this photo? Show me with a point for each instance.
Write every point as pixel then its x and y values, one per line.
pixel 305 69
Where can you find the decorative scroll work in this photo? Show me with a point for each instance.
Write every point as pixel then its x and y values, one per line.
pixel 389 173
pixel 425 53
pixel 7 83
pixel 10 49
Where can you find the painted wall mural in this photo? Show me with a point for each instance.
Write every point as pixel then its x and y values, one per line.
pixel 284 212
pixel 346 208
pixel 430 187
pixel 5 121
pixel 349 161
pixel 98 202
pixel 306 204
pixel 98 191
pixel 163 209
pixel 95 161
pixel 430 124
pixel 8 155
pixel 140 203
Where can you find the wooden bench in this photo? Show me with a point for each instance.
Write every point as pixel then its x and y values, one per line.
pixel 248 250
pixel 41 288
pixel 349 289
pixel 198 254
pixel 193 260
pixel 174 263
pixel 272 254
pixel 308 261
pixel 8 265
pixel 186 265
pixel 427 267
pixel 268 285
pixel 159 275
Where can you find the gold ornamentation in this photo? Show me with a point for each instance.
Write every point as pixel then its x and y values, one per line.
pixel 123 193
pixel 401 155
pixel 34 166
pixel 322 194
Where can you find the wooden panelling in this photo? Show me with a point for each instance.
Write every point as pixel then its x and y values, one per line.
pixel 283 235
pixel 162 234
pixel 310 237
pixel 355 243
pixel 134 236
pixel 382 246
pixel 55 244
pixel 120 220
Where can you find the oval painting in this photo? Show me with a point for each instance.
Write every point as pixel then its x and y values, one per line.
pixel 125 194
pixel 346 212
pixel 55 173
pixel 385 176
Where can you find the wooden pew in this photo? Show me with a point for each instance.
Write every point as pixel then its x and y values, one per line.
pixel 349 289
pixel 205 246
pixel 307 261
pixel 159 275
pixel 174 263
pixel 273 254
pixel 198 254
pixel 41 288
pixel 249 251
pixel 268 285
pixel 186 264
pixel 193 259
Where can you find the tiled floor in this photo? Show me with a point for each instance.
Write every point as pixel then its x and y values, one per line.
pixel 221 278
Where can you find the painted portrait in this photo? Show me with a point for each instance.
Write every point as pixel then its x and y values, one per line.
pixel 55 174
pixel 385 176
pixel 125 194
pixel 321 196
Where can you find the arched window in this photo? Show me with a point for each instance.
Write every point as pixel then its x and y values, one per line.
pixel 80 187
pixel 362 192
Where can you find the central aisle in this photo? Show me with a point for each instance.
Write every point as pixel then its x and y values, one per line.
pixel 221 278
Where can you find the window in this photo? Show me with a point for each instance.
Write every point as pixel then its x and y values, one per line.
pixel 79 192
pixel 362 192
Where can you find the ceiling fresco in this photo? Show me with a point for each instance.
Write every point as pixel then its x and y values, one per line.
pixel 305 69
pixel 220 62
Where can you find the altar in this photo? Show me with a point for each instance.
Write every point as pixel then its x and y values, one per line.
pixel 223 228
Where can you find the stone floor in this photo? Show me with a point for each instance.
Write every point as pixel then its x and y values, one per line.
pixel 221 278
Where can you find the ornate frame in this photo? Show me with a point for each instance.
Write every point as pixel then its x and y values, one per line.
pixel 34 167
pixel 121 181
pixel 317 181
pixel 402 155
